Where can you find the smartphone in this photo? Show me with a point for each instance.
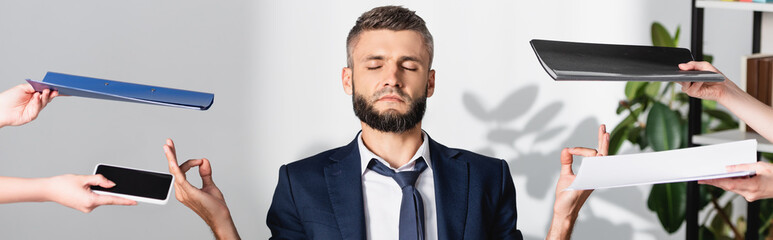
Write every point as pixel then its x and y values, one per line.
pixel 135 184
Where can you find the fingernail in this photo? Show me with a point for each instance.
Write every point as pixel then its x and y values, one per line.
pixel 110 183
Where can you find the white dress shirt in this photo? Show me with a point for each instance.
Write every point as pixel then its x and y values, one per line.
pixel 383 196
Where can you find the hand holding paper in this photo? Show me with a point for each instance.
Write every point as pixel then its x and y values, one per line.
pixel 752 188
pixel 689 164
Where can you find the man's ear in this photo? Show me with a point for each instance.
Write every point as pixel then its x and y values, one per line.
pixel 346 80
pixel 431 83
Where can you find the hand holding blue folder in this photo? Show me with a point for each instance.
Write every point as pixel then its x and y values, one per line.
pixel 121 91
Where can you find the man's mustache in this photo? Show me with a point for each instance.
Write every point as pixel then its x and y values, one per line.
pixel 391 90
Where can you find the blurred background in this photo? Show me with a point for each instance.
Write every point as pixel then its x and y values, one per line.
pixel 275 67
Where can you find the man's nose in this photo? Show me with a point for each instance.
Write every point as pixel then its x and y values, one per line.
pixel 393 76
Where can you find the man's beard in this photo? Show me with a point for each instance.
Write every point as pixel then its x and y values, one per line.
pixel 390 120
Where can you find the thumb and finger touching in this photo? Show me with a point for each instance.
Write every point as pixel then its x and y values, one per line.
pixel 205 170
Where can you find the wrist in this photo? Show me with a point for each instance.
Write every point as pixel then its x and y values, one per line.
pixel 223 226
pixel 561 226
pixel 40 189
pixel 729 92
pixel 6 120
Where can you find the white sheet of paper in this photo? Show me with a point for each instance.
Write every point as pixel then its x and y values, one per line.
pixel 688 164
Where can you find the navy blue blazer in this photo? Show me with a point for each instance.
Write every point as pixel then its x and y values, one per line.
pixel 320 197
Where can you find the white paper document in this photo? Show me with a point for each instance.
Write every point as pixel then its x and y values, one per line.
pixel 681 165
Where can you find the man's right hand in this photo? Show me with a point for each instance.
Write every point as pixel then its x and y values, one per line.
pixel 208 201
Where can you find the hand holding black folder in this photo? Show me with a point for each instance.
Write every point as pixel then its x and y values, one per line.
pixel 566 61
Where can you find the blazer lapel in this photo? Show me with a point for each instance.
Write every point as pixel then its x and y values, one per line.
pixel 451 190
pixel 344 183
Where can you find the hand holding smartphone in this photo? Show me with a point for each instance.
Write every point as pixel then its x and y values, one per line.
pixel 135 184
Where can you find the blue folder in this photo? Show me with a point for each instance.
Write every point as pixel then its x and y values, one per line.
pixel 121 91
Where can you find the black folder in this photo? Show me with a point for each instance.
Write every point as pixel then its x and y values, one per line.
pixel 573 61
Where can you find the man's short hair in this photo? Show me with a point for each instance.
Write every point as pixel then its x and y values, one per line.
pixel 395 18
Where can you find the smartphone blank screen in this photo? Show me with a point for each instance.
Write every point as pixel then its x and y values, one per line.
pixel 135 182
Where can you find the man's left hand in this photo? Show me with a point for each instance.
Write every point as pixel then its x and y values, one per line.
pixel 208 202
pixel 568 203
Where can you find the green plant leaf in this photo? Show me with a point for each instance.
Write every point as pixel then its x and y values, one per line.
pixel 632 89
pixel 768 156
pixel 705 234
pixel 637 136
pixel 682 97
pixel 676 35
pixel 634 136
pixel 664 128
pixel 723 117
pixel 708 104
pixel 642 100
pixel 685 130
pixel 621 106
pixel 660 36
pixel 705 121
pixel 720 115
pixel 651 90
pixel 619 133
pixel 643 139
pixel 617 138
pixel 708 58
pixel 668 201
pixel 722 127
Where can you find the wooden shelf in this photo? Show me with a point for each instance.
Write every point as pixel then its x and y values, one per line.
pixel 749 6
pixel 732 135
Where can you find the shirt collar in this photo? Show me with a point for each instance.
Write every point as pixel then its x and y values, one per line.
pixel 366 155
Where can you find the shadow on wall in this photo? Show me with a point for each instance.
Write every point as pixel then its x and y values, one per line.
pixel 539 170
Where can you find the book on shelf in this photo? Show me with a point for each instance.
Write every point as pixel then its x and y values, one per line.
pixel 762 75
pixel 757 74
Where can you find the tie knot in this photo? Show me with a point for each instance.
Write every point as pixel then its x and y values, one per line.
pixel 404 178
